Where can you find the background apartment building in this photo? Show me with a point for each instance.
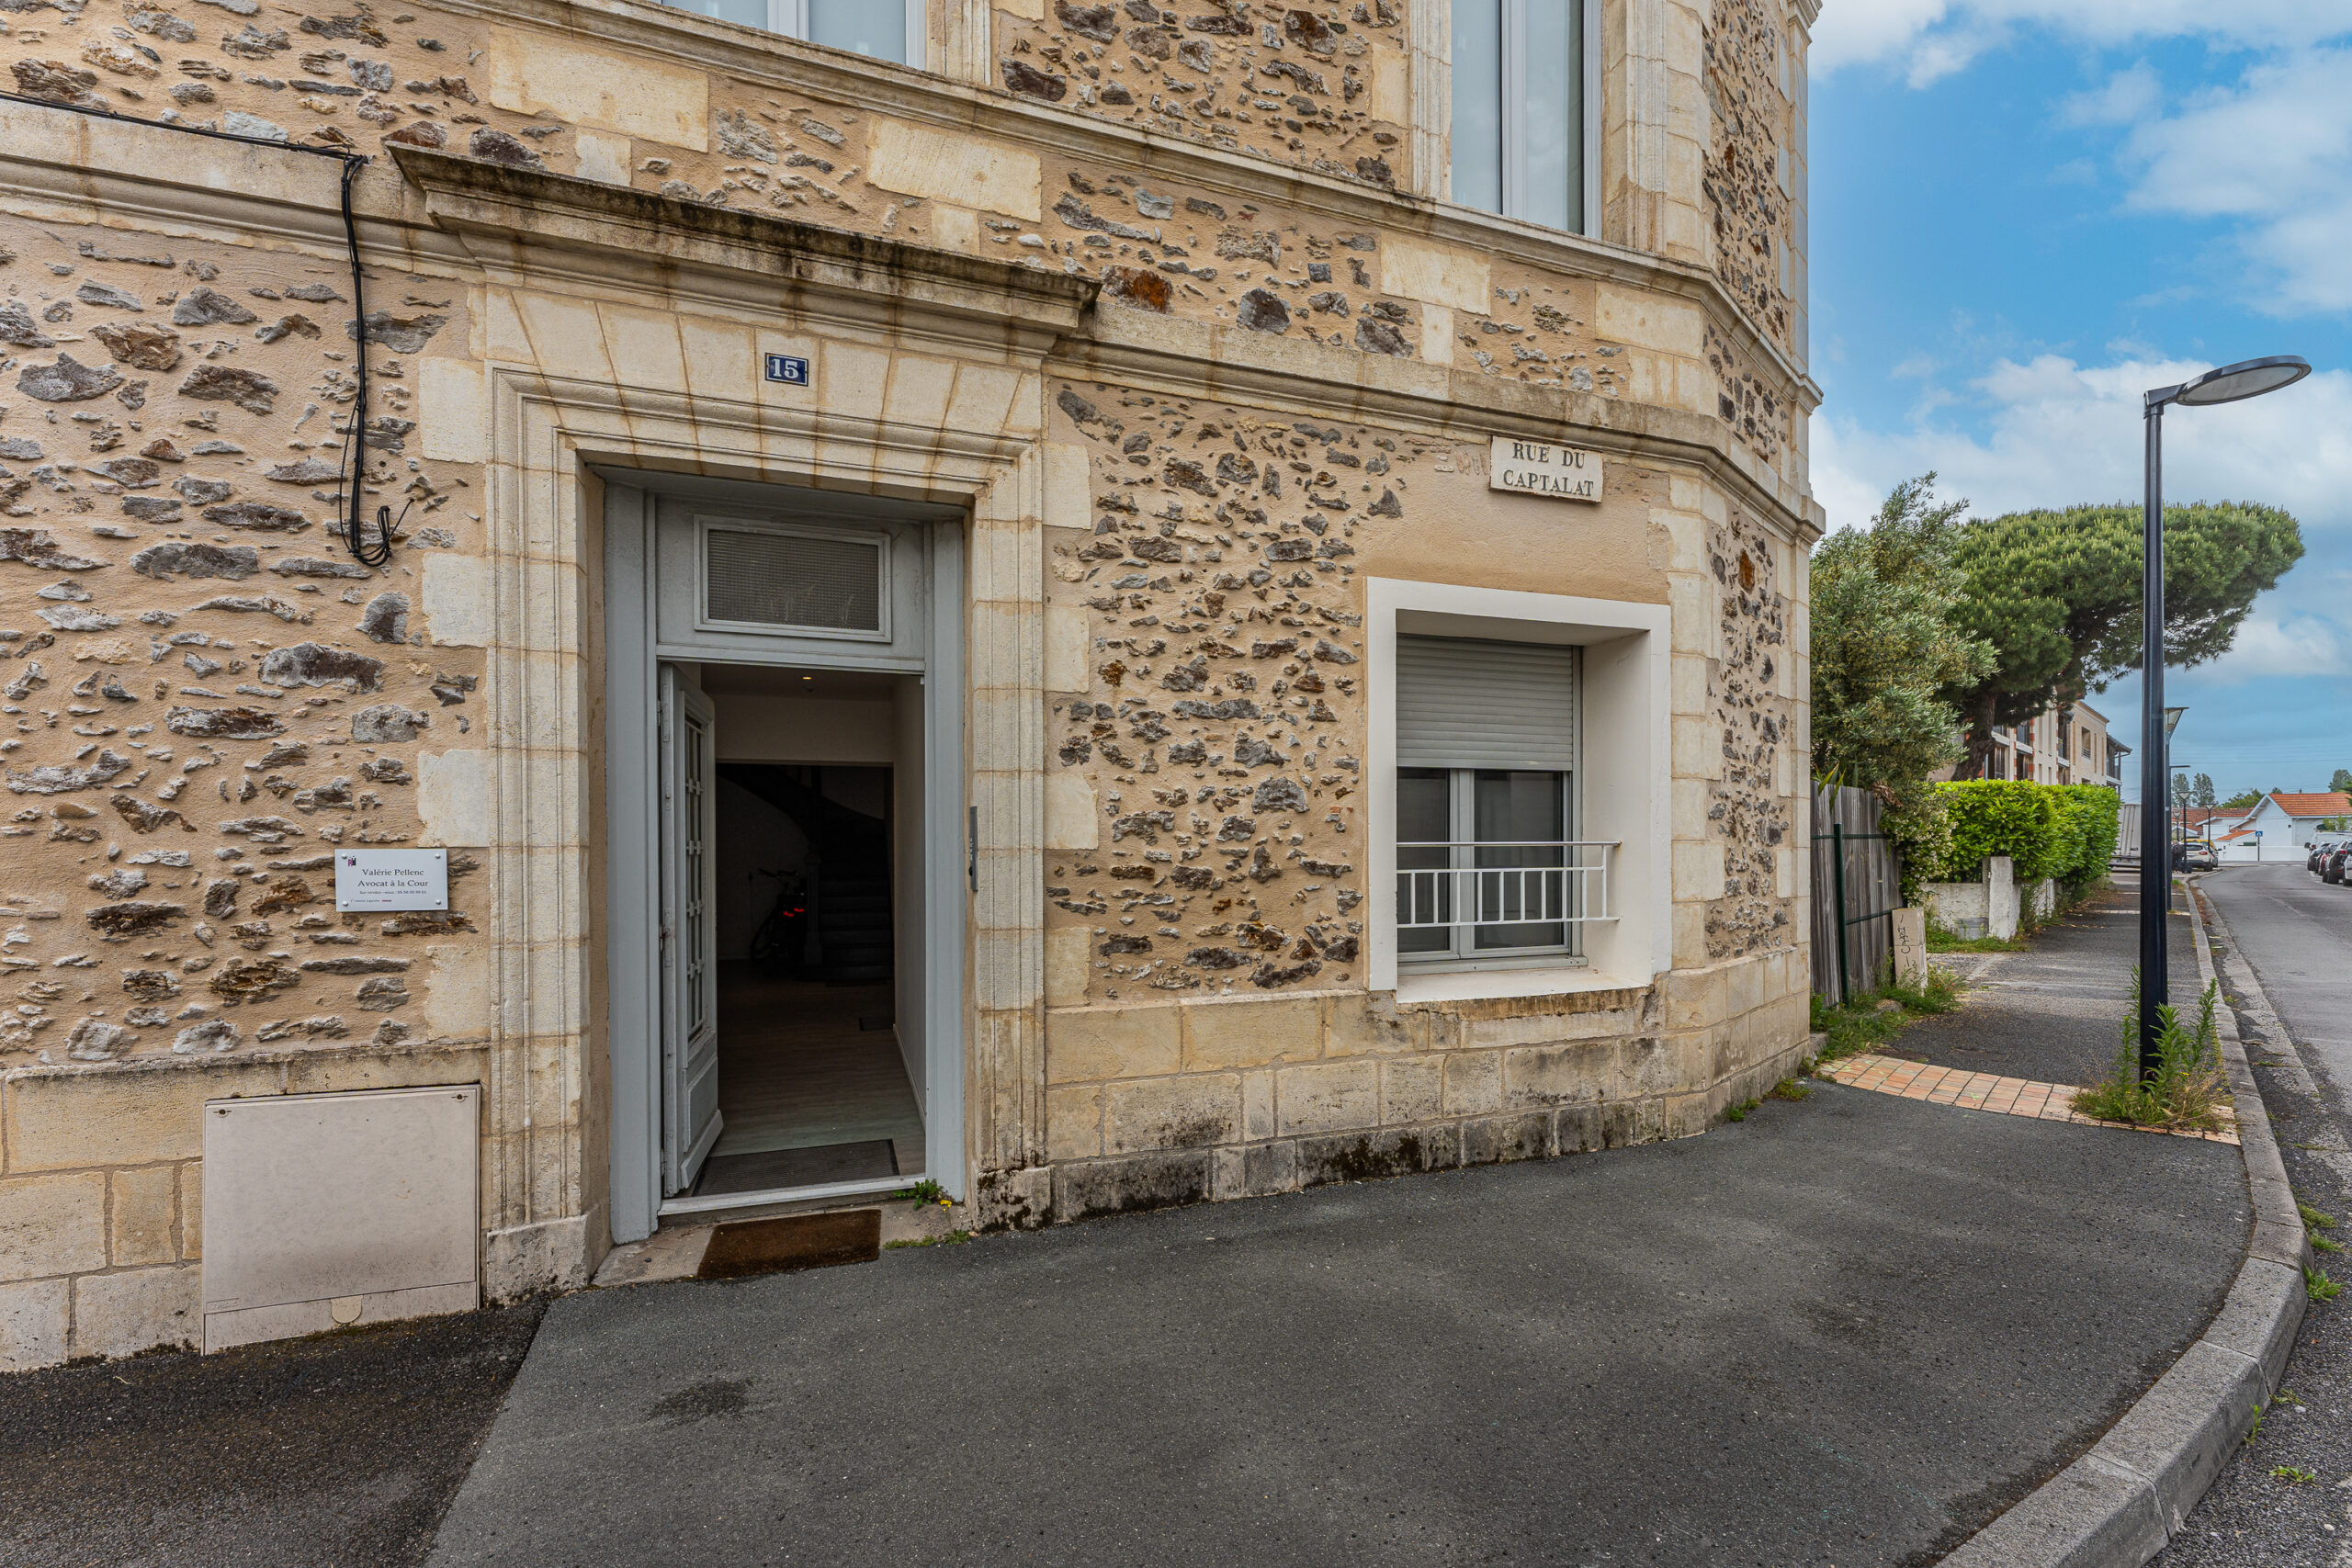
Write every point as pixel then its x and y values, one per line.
pixel 2065 743
pixel 1106 604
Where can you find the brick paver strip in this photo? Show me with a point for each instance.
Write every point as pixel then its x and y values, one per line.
pixel 1985 1092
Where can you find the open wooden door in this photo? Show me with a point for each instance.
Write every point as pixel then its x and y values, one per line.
pixel 689 943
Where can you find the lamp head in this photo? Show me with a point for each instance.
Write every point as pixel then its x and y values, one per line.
pixel 2247 378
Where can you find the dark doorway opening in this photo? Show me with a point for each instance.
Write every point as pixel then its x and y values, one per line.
pixel 813 1086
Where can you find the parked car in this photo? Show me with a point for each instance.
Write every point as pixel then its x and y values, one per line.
pixel 2331 865
pixel 2196 857
pixel 2320 846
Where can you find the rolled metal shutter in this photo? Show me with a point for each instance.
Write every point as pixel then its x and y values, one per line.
pixel 1465 703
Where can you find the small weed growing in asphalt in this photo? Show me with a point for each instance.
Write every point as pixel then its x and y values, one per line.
pixel 2323 1243
pixel 2185 1094
pixel 952 1238
pixel 1937 993
pixel 2256 1430
pixel 1788 1088
pixel 2295 1474
pixel 2290 1395
pixel 2318 1286
pixel 1739 1112
pixel 1862 1024
pixel 2314 1219
pixel 923 1192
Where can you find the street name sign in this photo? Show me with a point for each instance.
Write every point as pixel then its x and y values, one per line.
pixel 1544 469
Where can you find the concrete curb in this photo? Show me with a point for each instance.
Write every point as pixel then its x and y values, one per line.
pixel 2119 1504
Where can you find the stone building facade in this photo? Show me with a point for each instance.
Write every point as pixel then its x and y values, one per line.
pixel 1156 331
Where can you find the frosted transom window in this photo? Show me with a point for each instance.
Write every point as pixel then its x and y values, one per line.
pixel 783 579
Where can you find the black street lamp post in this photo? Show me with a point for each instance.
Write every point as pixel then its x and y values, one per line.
pixel 2249 379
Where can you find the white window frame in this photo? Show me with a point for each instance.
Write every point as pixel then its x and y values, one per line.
pixel 1463 951
pixel 790 17
pixel 1514 91
pixel 1624 780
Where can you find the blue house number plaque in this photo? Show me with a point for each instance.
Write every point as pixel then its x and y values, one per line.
pixel 788 369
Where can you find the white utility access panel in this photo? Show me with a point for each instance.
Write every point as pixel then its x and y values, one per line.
pixel 326 1210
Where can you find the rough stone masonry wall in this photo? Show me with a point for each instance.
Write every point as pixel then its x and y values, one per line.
pixel 1220 745
pixel 201 695
pixel 367 78
pixel 1211 1034
pixel 1324 87
pixel 205 693
pixel 1746 178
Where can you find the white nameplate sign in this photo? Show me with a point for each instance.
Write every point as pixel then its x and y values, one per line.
pixel 1541 468
pixel 392 879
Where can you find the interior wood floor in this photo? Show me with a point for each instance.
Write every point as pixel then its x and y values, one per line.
pixel 795 1071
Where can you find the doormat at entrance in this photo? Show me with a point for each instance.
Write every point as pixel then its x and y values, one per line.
pixel 795 1241
pixel 769 1169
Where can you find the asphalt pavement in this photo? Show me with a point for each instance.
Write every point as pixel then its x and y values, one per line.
pixel 1846 1331
pixel 2285 1501
pixel 2053 1012
pixel 1843 1332
pixel 339 1451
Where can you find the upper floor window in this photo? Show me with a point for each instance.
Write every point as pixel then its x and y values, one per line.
pixel 885 30
pixel 1527 110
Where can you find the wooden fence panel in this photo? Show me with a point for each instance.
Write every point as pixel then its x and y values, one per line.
pixel 1846 825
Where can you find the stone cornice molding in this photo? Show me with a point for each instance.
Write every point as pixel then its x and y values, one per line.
pixel 65 167
pixel 1179 358
pixel 587 232
pixel 581 233
pixel 464 216
pixel 1807 11
pixel 769 61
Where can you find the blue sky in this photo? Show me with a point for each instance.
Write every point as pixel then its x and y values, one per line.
pixel 2026 212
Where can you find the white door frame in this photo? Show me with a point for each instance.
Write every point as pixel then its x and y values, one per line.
pixel 632 796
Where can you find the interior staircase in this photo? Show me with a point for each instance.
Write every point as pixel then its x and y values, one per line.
pixel 852 907
pixel 854 921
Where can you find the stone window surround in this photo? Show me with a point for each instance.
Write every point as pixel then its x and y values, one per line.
pixel 789 18
pixel 1626 712
pixel 1431 46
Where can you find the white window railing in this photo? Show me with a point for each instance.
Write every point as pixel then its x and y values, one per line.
pixel 1466 894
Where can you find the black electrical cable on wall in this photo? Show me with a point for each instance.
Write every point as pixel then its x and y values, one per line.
pixel 377 553
pixel 354 463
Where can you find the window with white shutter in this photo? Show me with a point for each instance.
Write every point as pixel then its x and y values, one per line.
pixel 1486 863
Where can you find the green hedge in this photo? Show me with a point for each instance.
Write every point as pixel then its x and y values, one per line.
pixel 2066 832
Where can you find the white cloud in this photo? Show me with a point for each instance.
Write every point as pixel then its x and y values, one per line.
pixel 1927 39
pixel 2057 434
pixel 2290 644
pixel 2130 95
pixel 2274 152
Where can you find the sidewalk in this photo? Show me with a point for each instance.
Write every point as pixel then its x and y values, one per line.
pixel 1847 1331
pixel 2052 1013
